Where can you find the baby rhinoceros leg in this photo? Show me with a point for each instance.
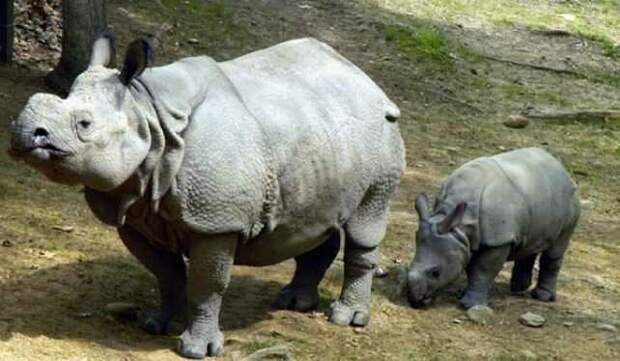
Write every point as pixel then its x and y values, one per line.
pixel 550 264
pixel 521 278
pixel 481 271
pixel 169 269
pixel 302 293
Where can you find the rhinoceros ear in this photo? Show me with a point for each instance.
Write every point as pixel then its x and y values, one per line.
pixel 138 57
pixel 421 206
pixel 453 219
pixel 103 52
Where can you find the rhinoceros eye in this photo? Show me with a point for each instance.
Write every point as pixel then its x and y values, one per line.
pixel 85 124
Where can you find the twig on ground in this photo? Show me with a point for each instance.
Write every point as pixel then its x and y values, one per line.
pixel 582 115
pixel 445 96
pixel 529 65
pixel 552 32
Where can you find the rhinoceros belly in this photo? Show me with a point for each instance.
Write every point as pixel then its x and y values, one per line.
pixel 283 243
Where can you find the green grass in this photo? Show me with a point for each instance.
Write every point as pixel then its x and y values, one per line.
pixel 421 43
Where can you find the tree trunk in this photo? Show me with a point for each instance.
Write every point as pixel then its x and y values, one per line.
pixel 83 21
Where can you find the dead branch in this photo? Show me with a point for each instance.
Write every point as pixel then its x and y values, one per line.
pixel 530 65
pixel 578 116
pixel 447 97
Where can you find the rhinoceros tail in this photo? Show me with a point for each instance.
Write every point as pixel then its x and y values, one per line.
pixel 392 113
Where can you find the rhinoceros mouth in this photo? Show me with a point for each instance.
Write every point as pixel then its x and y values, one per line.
pixel 41 153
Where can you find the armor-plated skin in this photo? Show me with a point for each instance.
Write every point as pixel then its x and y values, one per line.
pixel 511 206
pixel 252 161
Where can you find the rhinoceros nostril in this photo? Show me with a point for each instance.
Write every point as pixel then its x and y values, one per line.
pixel 41 132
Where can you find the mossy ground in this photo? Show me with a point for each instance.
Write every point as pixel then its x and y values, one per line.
pixel 431 57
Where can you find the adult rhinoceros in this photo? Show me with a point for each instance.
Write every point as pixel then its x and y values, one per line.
pixel 250 161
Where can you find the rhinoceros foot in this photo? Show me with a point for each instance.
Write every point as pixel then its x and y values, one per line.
pixel 198 345
pixel 345 315
pixel 542 294
pixel 297 298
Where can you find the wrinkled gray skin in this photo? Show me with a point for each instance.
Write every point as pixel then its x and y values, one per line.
pixel 252 161
pixel 511 206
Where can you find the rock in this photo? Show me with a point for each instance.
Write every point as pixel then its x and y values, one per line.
pixel 67 229
pixel 458 321
pixel 516 122
pixel 359 330
pixel 480 314
pixel 381 273
pixel 193 41
pixel 531 319
pixel 586 203
pixel 528 355
pixel 280 352
pixel 453 149
pixel 606 327
pixel 568 324
pixel 126 310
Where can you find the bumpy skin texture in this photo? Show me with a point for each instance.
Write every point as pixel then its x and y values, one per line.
pixel 517 205
pixel 252 161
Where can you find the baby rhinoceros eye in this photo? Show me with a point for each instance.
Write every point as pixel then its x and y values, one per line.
pixel 433 273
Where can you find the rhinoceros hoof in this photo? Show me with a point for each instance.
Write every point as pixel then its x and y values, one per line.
pixel 543 295
pixel 470 300
pixel 520 284
pixel 344 315
pixel 195 347
pixel 297 298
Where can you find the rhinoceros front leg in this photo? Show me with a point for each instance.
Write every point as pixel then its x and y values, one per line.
pixel 210 263
pixel 481 271
pixel 168 268
pixel 302 293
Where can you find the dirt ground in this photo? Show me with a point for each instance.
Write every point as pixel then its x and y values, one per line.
pixel 457 69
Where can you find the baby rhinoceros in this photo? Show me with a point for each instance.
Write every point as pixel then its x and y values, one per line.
pixel 511 206
pixel 251 161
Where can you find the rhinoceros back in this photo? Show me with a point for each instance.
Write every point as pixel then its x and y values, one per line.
pixel 293 137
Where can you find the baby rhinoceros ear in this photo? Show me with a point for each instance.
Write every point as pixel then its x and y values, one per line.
pixel 138 57
pixel 421 206
pixel 103 52
pixel 453 219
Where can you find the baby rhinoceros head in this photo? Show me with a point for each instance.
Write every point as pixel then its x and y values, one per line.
pixel 92 136
pixel 441 253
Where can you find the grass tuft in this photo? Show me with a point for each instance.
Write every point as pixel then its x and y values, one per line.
pixel 423 43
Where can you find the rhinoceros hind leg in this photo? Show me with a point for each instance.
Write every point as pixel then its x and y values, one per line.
pixel 547 278
pixel 521 278
pixel 302 293
pixel 550 264
pixel 169 269
pixel 363 233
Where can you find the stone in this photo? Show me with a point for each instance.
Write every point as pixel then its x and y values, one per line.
pixel 480 314
pixel 280 352
pixel 531 319
pixel 606 327
pixel 516 122
pixel 66 229
pixel 380 272
pixel 568 324
pixel 126 310
pixel 528 355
